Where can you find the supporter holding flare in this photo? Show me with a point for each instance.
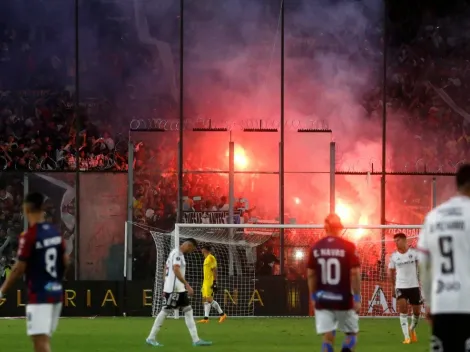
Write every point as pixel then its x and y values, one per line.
pixel 334 282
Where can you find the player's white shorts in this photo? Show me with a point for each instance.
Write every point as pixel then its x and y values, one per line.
pixel 328 320
pixel 43 318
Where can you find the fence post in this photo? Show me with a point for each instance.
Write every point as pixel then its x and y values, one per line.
pixel 332 177
pixel 130 211
pixel 25 192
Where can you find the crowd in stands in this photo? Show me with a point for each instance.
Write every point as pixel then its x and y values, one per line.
pixel 427 85
pixel 427 89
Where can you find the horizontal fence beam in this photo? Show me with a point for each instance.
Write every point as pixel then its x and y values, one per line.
pixel 297 226
pixel 393 173
pixel 350 173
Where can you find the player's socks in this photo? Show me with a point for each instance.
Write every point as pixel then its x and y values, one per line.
pixel 349 343
pixel 326 347
pixel 207 310
pixel 159 320
pixel 414 321
pixel 216 306
pixel 189 320
pixel 404 326
pixel 222 315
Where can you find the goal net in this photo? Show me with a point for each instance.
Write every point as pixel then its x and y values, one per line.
pixel 235 252
pixel 235 248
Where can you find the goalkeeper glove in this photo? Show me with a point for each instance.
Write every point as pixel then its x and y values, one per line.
pixel 214 287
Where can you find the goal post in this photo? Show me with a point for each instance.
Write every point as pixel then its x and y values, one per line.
pixel 236 245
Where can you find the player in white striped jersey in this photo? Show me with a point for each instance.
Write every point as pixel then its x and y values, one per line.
pixel 176 292
pixel 403 269
pixel 444 257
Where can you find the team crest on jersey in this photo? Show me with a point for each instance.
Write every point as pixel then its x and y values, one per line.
pixel 178 258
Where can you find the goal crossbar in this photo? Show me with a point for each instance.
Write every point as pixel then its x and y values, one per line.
pixel 294 226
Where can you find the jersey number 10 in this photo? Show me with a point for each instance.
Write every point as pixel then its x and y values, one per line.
pixel 330 271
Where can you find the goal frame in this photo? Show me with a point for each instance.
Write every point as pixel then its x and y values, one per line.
pixel 179 226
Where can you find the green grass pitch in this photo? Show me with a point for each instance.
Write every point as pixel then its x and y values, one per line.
pixel 235 335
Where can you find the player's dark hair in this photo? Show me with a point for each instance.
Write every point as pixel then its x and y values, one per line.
pixel 35 201
pixel 399 235
pixel 192 240
pixel 207 247
pixel 462 178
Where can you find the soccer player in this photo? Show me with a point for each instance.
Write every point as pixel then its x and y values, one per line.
pixel 176 292
pixel 42 260
pixel 209 286
pixel 444 260
pixel 334 282
pixel 403 273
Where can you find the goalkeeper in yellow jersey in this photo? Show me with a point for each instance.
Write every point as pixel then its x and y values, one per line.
pixel 209 286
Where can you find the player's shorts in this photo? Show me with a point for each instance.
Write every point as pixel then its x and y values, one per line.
pixel 175 300
pixel 329 320
pixel 207 290
pixel 412 295
pixel 450 333
pixel 43 318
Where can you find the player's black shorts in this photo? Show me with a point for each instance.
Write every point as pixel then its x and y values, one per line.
pixel 450 333
pixel 412 295
pixel 175 300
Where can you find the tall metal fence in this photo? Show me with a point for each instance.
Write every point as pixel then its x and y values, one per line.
pixel 211 126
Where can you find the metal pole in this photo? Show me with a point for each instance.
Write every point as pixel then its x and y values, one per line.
pixel 434 192
pixel 78 144
pixel 25 192
pixel 181 117
pixel 130 211
pixel 231 196
pixel 332 177
pixel 282 144
pixel 383 218
pixel 179 201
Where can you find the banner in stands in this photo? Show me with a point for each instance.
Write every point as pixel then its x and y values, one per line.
pixel 210 217
pixel 102 218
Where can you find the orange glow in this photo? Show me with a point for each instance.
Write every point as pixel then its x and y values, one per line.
pixel 240 159
pixel 345 212
pixel 359 233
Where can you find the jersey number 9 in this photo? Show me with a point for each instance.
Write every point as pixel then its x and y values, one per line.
pixel 50 259
pixel 446 247
pixel 330 271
